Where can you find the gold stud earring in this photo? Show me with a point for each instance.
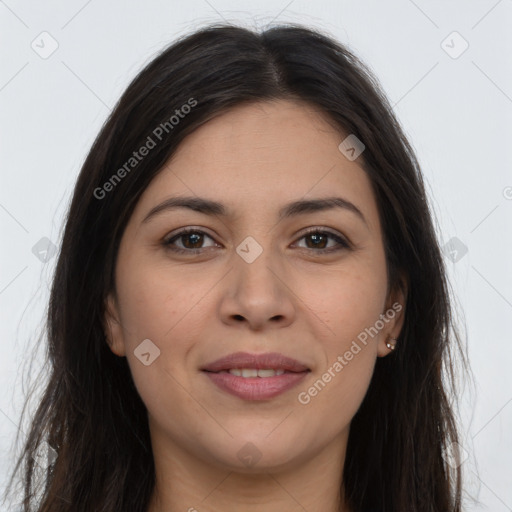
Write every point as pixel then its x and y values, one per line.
pixel 391 346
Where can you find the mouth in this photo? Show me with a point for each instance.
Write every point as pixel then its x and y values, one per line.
pixel 245 361
pixel 255 376
pixel 255 372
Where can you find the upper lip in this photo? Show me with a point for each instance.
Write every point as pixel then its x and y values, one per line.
pixel 269 360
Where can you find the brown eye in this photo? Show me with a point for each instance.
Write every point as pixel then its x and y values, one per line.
pixel 191 240
pixel 318 241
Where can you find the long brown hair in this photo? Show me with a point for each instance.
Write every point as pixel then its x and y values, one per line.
pixel 90 412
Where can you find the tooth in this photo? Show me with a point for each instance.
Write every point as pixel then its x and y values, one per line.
pixel 266 373
pixel 249 372
pixel 253 372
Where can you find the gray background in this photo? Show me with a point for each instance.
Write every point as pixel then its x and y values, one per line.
pixel 456 110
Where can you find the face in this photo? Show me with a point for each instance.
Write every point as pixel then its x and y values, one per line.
pixel 256 277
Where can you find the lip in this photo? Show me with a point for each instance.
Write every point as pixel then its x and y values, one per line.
pixel 256 388
pixel 239 360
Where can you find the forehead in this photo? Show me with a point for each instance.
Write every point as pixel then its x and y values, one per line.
pixel 264 154
pixel 273 132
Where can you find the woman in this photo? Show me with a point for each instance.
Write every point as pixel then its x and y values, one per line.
pixel 249 310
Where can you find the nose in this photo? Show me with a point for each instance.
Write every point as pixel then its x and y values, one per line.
pixel 258 294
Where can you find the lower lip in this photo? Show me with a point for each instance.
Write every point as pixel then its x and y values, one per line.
pixel 256 388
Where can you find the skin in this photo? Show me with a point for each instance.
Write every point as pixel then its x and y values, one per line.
pixel 291 299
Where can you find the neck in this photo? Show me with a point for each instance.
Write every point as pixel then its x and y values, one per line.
pixel 186 483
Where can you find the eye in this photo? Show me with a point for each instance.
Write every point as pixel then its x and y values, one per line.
pixel 192 239
pixel 319 238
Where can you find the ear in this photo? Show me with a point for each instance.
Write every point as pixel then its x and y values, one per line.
pixel 113 329
pixel 394 312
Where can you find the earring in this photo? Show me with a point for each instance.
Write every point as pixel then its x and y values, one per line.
pixel 391 346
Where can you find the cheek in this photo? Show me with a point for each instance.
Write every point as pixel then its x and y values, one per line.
pixel 347 300
pixel 341 381
pixel 332 399
pixel 164 307
pixel 156 301
pixel 168 307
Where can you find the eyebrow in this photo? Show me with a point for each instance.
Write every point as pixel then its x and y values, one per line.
pixel 214 208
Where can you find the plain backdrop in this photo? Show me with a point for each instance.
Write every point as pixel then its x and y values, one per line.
pixel 446 67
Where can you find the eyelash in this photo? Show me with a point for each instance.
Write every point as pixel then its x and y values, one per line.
pixel 342 243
